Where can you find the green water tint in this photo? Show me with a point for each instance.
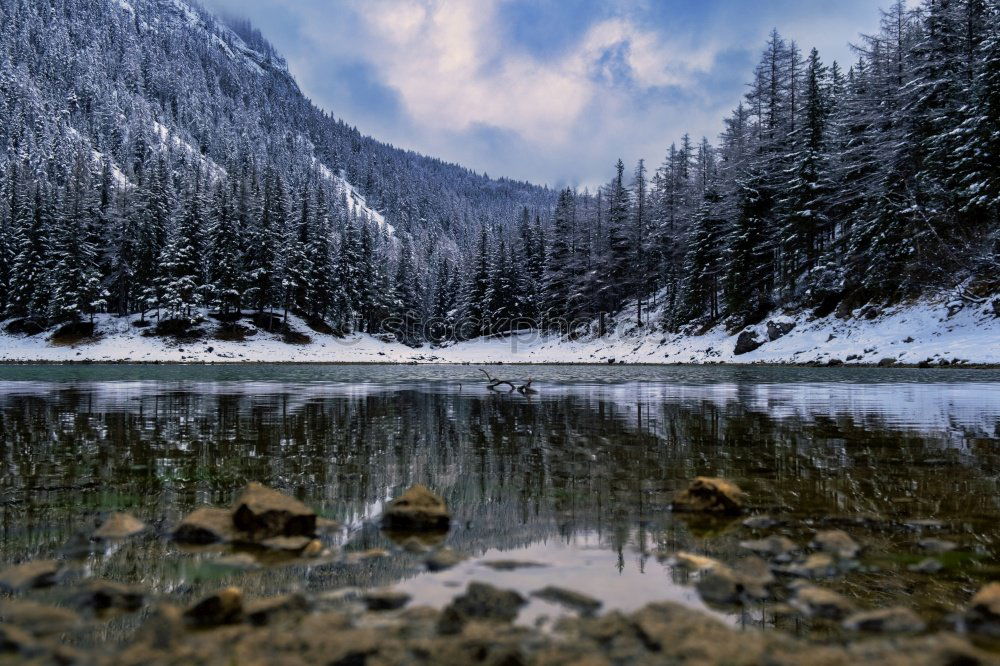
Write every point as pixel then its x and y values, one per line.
pixel 578 478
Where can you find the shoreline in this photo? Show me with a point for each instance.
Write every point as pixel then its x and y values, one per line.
pixel 720 364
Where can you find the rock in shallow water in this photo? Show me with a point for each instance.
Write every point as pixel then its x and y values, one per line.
pixel 385 599
pixel 263 611
pixel 482 602
pixel 443 559
pixel 417 510
pixel 206 525
pixel 38 619
pixel 710 495
pixel 815 601
pixel 983 616
pixel 222 607
pixel 895 620
pixel 582 603
pixel 103 595
pixel 263 513
pixel 838 543
pixel 119 526
pixel 40 573
pixel 776 547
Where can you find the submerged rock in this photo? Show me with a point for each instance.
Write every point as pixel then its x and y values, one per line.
pixel 895 620
pixel 481 602
pixel 36 618
pixel 40 573
pixel 710 495
pixel 582 603
pixel 694 562
pixel 288 544
pixel 937 545
pixel 119 526
pixel 928 565
pixel 838 543
pixel 263 611
pixel 222 607
pixel 817 565
pixel 416 510
pixel 206 525
pixel 814 601
pixel 760 522
pixel 14 639
pixel 983 615
pixel 263 513
pixel 104 595
pixel 443 559
pixel 385 599
pixel 776 547
pixel 747 580
pixel 511 565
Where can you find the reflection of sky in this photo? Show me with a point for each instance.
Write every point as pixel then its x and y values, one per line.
pixel 544 90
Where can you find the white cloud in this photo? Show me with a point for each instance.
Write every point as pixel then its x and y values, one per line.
pixel 452 70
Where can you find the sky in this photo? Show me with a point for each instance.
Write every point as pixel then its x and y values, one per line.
pixel 549 91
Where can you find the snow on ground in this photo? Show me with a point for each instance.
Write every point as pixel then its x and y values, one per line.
pixel 909 334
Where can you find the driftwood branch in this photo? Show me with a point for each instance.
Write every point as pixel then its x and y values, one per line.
pixel 494 382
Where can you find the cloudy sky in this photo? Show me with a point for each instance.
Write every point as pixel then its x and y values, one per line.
pixel 552 91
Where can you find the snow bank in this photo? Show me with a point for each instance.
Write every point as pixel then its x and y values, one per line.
pixel 908 334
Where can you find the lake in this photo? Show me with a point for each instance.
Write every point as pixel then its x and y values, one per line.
pixel 577 478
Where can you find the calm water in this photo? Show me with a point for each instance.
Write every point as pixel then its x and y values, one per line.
pixel 578 477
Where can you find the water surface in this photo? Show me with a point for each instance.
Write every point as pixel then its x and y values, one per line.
pixel 578 477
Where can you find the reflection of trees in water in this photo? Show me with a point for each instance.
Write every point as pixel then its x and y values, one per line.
pixel 513 470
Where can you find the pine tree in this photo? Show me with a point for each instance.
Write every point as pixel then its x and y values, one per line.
pixel 557 288
pixel 226 260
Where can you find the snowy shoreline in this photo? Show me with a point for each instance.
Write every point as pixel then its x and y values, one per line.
pixel 929 333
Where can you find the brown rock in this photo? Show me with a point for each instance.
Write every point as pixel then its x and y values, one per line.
pixel 14 639
pixel 817 565
pixel 222 607
pixel 263 611
pixel 206 525
pixel 263 512
pixel 289 544
pixel 694 562
pixel 416 510
pixel 163 628
pixel 776 547
pixel 983 616
pixel 119 526
pixel 481 602
pixel 444 558
pixel 584 604
pixel 40 573
pixel 103 595
pixel 722 585
pixel 38 619
pixel 385 599
pixel 815 601
pixel 838 543
pixel 710 495
pixel 511 565
pixel 896 620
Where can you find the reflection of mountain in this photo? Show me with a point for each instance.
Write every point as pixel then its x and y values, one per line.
pixel 595 460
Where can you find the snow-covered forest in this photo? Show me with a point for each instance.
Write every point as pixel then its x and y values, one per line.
pixel 159 161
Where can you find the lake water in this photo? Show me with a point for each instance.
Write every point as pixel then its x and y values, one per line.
pixel 578 477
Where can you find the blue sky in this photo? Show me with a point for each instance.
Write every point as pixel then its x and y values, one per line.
pixel 551 91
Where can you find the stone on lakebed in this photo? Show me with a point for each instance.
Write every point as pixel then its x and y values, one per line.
pixel 418 509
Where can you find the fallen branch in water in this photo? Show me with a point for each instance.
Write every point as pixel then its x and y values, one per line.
pixel 494 382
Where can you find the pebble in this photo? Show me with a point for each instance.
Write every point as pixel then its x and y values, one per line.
pixel 814 601
pixel 119 526
pixel 584 604
pixel 838 543
pixel 895 620
pixel 710 495
pixel 39 573
pixel 776 547
pixel 443 559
